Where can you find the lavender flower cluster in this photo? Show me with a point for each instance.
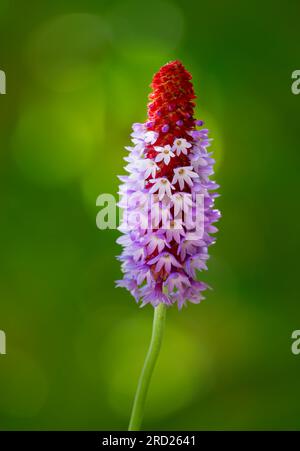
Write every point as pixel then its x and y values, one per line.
pixel 162 245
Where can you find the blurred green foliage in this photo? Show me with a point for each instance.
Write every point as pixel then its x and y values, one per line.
pixel 78 75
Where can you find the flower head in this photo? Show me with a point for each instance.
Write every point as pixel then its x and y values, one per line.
pixel 181 145
pixel 162 185
pixel 184 175
pixel 164 154
pixel 168 166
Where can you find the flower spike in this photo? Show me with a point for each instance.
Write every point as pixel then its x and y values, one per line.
pixel 169 168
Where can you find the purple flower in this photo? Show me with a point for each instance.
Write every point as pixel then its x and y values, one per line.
pixel 165 261
pixel 163 248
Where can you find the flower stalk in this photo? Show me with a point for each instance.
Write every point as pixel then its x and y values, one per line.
pixel 147 371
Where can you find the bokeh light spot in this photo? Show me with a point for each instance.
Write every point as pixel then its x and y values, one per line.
pixel 161 27
pixel 64 53
pixel 180 364
pixel 23 385
pixel 53 143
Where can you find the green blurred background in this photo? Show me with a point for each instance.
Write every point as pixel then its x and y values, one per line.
pixel 78 75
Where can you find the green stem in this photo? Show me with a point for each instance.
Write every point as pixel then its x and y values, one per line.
pixel 150 361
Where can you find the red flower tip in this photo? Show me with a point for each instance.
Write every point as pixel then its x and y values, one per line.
pixel 171 109
pixel 170 112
